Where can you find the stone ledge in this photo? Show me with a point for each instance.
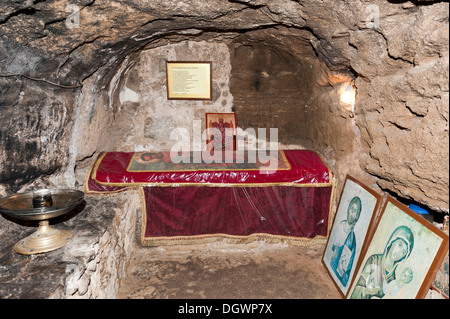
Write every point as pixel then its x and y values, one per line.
pixel 88 267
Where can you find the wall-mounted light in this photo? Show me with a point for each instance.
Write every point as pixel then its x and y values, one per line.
pixel 348 97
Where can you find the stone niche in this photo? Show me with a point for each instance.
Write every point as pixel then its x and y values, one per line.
pixel 270 78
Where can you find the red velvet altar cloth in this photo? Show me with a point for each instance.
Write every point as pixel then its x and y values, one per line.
pixel 294 167
pixel 177 213
pixel 241 202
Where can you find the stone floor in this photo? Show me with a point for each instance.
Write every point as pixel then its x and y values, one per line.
pixel 256 270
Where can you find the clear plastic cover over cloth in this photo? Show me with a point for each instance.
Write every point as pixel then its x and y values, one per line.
pixel 199 202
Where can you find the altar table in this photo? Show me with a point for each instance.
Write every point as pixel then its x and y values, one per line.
pixel 197 202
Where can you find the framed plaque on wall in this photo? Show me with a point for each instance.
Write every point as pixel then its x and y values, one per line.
pixel 189 80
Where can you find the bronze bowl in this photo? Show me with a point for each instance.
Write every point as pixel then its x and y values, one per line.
pixel 23 207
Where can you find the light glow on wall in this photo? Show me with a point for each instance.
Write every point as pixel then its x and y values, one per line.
pixel 348 96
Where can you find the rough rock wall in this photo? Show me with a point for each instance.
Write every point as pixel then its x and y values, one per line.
pixel 397 49
pixel 36 124
pixel 404 110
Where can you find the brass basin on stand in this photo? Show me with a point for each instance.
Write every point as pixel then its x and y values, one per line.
pixel 42 205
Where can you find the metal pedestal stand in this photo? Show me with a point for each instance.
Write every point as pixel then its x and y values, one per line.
pixel 23 207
